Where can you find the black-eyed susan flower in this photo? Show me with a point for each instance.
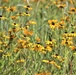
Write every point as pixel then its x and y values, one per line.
pixel 13 17
pixel 27 7
pixel 53 24
pixel 67 42
pixel 11 9
pixel 58 57
pixel 15 24
pixel 21 43
pixel 67 18
pixel 72 34
pixel 20 14
pixel 61 6
pixel 15 29
pixel 29 45
pixel 48 48
pixel 38 47
pixel 2 17
pixel 61 25
pixel 73 9
pixel 26 14
pixel 27 32
pixel 50 43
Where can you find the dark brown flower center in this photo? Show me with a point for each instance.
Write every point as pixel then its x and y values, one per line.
pixel 53 23
pixel 0 15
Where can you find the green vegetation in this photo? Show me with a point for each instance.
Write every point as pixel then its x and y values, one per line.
pixel 37 37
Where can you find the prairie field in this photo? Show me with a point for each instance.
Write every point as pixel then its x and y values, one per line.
pixel 37 37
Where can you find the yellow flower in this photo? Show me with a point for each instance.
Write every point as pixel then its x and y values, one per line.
pixel 14 17
pixel 67 18
pixel 53 24
pixel 72 34
pixel 45 61
pixel 61 25
pixel 15 29
pixel 61 5
pixel 27 7
pixel 15 24
pixel 48 48
pixel 67 42
pixel 20 14
pixel 50 43
pixel 58 57
pixel 55 64
pixel 44 52
pixel 59 67
pixel 21 41
pixel 29 44
pixel 38 47
pixel 27 38
pixel 73 9
pixel 54 56
pixel 32 22
pixel 52 21
pixel 52 62
pixel 20 61
pixel 27 32
pixel 11 9
pixel 2 17
pixel 26 14
pixel 70 12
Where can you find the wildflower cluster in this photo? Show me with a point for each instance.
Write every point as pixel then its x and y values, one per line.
pixel 37 37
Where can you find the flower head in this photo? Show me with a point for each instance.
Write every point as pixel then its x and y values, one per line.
pixel 52 23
